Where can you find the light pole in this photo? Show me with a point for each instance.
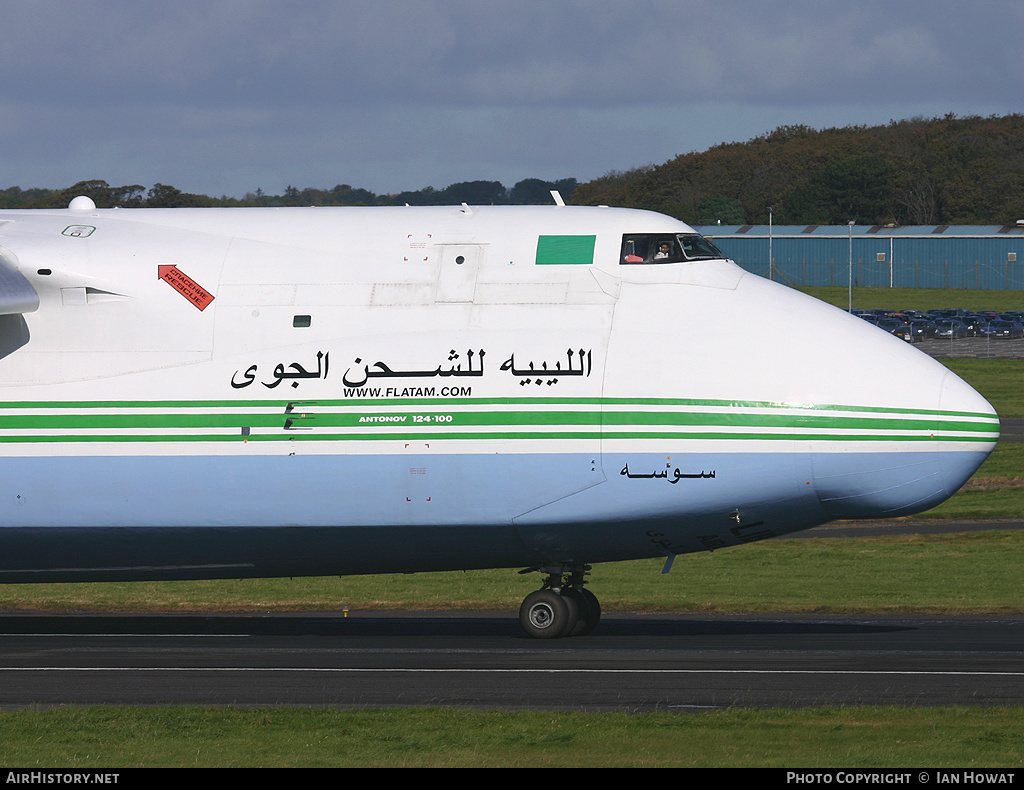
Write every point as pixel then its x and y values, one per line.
pixel 850 287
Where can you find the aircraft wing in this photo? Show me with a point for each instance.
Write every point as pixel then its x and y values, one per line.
pixel 16 293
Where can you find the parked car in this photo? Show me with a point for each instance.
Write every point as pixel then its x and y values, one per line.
pixel 974 322
pixel 1003 329
pixel 951 328
pixel 894 326
pixel 921 329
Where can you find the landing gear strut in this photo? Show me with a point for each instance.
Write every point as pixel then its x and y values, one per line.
pixel 562 606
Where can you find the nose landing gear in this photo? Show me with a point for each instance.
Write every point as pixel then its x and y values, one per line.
pixel 562 606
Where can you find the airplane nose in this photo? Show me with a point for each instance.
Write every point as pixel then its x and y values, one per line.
pixel 911 459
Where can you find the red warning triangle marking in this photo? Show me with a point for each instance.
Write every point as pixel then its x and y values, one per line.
pixel 185 285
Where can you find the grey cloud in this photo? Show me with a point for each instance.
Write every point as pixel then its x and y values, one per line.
pixel 228 88
pixel 499 53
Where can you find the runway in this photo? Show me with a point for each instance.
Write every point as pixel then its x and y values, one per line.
pixel 632 662
pixel 1011 429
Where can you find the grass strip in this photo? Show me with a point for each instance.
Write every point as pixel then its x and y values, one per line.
pixel 923 299
pixel 1000 381
pixel 882 737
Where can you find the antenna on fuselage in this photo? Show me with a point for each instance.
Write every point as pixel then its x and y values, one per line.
pixel 82 203
pixel 557 197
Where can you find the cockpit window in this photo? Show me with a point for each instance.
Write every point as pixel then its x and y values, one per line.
pixel 638 248
pixel 696 247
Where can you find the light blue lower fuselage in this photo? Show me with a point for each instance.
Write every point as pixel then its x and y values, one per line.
pixel 115 518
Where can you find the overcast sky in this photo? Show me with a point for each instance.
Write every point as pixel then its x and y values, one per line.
pixel 222 97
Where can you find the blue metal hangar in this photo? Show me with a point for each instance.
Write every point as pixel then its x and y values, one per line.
pixel 916 256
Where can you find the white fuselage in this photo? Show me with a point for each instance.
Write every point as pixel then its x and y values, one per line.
pixel 257 392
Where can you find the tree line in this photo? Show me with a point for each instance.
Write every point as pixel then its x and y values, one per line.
pixel 530 191
pixel 939 171
pixel 919 171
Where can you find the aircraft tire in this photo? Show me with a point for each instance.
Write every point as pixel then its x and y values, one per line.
pixel 589 608
pixel 547 615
